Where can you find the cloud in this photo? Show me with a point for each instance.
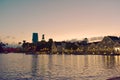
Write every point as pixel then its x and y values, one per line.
pixel 7 39
pixel 92 39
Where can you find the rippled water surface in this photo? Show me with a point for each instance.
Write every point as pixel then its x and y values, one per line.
pixel 16 66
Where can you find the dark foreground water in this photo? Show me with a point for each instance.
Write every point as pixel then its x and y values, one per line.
pixel 15 66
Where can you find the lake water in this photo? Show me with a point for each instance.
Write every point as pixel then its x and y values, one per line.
pixel 16 66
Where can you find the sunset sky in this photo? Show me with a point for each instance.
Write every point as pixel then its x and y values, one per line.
pixel 58 19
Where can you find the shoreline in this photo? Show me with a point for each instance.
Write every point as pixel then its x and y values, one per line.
pixel 114 78
pixel 34 53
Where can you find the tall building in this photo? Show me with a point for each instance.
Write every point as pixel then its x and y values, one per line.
pixel 35 37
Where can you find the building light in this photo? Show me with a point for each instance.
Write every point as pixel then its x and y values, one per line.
pixel 117 49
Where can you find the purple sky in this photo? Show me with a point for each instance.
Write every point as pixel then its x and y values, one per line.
pixel 58 19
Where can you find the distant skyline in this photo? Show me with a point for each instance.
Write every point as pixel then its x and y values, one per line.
pixel 58 19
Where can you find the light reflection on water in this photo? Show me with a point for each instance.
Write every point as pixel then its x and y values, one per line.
pixel 58 67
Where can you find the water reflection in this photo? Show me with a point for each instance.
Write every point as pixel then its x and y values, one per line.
pixel 58 67
pixel 34 67
pixel 50 65
pixel 86 61
pixel 109 62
